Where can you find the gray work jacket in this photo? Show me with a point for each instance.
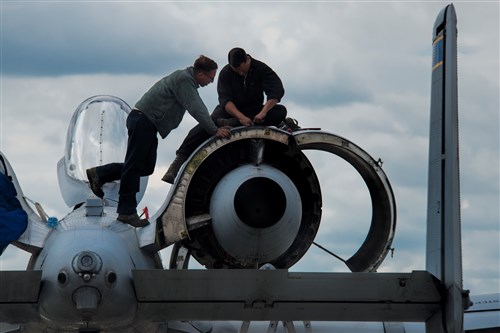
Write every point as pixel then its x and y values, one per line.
pixel 168 99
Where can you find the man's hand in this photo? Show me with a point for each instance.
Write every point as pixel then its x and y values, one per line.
pixel 223 132
pixel 245 121
pixel 259 118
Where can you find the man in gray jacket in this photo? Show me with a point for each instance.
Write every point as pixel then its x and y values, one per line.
pixel 160 110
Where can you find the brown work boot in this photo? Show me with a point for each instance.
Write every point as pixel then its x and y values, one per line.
pixel 95 184
pixel 172 171
pixel 134 220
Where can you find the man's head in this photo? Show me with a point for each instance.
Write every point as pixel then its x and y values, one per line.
pixel 239 61
pixel 205 70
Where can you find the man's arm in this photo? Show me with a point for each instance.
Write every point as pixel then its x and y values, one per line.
pixel 190 99
pixel 271 83
pixel 273 88
pixel 233 111
pixel 259 118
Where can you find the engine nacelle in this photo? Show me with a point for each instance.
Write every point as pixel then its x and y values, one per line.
pixel 255 198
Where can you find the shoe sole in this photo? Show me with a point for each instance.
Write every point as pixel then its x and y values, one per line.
pixel 168 179
pixel 139 224
pixel 99 193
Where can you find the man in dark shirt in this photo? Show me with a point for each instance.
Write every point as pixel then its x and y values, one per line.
pixel 241 87
pixel 159 111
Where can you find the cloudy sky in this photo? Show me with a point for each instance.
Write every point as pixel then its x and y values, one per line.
pixel 359 69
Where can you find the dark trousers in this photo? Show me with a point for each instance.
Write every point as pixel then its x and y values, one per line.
pixel 140 160
pixel 197 135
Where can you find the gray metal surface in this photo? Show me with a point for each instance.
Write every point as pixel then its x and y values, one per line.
pixel 19 296
pixel 444 248
pixel 383 224
pixel 280 295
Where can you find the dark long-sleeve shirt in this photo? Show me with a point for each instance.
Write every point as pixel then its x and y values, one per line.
pixel 247 93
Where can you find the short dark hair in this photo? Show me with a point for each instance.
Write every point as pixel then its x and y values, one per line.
pixel 236 57
pixel 204 64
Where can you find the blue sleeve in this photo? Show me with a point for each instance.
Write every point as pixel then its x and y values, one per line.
pixel 13 219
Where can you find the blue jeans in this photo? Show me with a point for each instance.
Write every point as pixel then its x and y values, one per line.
pixel 140 160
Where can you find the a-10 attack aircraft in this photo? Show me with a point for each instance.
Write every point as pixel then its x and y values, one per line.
pixel 247 208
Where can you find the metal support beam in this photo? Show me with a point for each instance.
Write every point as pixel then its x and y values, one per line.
pixel 19 296
pixel 278 295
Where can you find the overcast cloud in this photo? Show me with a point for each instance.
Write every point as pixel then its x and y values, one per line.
pixel 357 69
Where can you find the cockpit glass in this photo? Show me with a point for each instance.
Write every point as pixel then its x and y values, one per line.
pixel 97 135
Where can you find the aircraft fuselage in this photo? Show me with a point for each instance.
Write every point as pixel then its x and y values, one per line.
pixel 86 269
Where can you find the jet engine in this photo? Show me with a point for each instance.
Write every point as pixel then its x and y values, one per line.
pixel 255 198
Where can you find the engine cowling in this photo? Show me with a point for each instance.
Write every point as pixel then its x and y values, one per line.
pixel 255 198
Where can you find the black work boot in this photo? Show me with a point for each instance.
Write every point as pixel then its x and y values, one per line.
pixel 289 125
pixel 134 220
pixel 172 171
pixel 95 184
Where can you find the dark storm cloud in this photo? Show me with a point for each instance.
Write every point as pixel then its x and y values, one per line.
pixel 69 38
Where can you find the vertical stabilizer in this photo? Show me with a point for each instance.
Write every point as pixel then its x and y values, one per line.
pixel 444 250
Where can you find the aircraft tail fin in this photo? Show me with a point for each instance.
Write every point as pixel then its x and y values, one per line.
pixel 444 248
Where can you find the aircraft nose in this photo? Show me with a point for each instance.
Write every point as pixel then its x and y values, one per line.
pixel 86 275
